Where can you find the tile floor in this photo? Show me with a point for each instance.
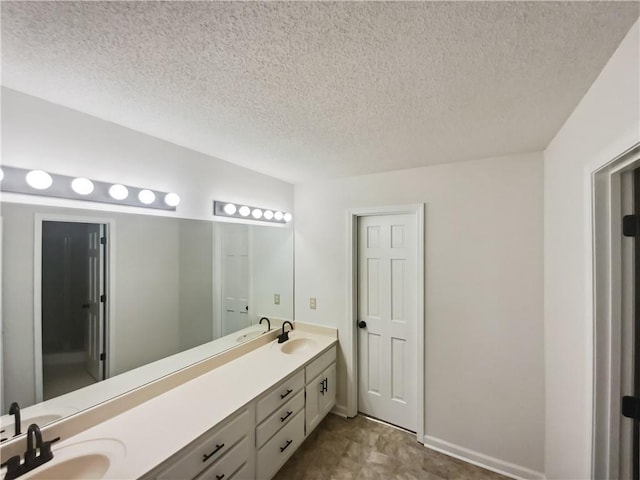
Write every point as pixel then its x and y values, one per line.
pixel 362 449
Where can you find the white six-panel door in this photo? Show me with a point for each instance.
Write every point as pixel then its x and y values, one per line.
pixel 387 304
pixel 235 277
pixel 95 317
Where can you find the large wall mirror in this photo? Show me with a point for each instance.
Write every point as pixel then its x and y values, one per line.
pixel 86 319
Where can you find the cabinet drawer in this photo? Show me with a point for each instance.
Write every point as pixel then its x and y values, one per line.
pixel 244 473
pixel 228 465
pixel 320 364
pixel 278 450
pixel 209 448
pixel 279 419
pixel 279 395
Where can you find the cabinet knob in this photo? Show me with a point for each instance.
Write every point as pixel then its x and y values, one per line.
pixel 362 324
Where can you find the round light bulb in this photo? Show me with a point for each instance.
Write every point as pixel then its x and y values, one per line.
pixel 287 217
pixel 230 209
pixel 118 192
pixel 172 199
pixel 39 180
pixel 82 186
pixel 244 211
pixel 278 216
pixel 257 213
pixel 146 196
pixel 268 214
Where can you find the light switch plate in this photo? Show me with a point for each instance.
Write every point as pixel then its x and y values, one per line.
pixel 312 303
pixel 276 299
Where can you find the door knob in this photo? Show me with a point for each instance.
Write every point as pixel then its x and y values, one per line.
pixel 362 324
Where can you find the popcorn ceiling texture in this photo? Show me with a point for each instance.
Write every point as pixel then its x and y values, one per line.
pixel 304 90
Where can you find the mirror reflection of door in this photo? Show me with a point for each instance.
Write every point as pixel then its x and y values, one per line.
pixel 73 313
pixel 235 277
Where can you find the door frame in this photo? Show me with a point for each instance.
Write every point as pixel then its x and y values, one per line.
pixel 351 359
pixel 110 275
pixel 604 187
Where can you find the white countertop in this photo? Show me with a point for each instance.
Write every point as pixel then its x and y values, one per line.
pixel 155 430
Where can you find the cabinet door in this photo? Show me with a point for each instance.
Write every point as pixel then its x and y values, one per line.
pixel 328 394
pixel 321 396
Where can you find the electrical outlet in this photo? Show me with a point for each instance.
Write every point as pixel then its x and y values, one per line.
pixel 312 303
pixel 276 299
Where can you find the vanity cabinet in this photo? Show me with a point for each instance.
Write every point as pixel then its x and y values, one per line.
pixel 320 388
pixel 321 397
pixel 218 454
pixel 255 442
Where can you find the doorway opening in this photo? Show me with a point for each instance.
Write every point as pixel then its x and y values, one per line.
pixel 71 271
pixel 386 301
pixel 615 191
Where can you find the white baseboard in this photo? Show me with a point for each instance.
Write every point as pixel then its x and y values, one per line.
pixel 340 410
pixel 490 463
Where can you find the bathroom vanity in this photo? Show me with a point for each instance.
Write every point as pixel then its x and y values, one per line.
pixel 241 420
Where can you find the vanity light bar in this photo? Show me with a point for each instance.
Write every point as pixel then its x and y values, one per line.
pixel 38 182
pixel 246 212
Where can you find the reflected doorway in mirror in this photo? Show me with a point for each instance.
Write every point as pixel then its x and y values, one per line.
pixel 70 306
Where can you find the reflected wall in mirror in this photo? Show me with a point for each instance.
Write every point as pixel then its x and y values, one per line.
pixel 172 285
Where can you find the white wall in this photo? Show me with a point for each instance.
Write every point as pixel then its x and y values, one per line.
pixel 605 124
pixel 483 293
pixel 39 134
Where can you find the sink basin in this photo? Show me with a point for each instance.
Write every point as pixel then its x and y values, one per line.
pixel 248 336
pixel 92 466
pixel 90 459
pixel 296 345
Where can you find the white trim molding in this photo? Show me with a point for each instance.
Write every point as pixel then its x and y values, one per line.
pixel 604 290
pixel 481 460
pixel 351 358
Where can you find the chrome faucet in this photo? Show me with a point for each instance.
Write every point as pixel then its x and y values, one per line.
pixel 14 410
pixel 268 323
pixel 285 335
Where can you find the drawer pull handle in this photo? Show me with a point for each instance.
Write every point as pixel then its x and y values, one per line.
pixel 289 442
pixel 282 419
pixel 206 457
pixel 284 395
pixel 220 477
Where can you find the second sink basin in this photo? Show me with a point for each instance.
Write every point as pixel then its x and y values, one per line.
pixel 296 345
pixel 248 336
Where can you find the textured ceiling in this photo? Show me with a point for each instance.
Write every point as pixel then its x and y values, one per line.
pixel 304 90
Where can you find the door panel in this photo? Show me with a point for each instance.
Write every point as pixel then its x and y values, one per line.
pixel 95 312
pixel 387 304
pixel 235 278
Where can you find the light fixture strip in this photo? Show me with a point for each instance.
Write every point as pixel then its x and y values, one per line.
pixel 14 181
pixel 253 214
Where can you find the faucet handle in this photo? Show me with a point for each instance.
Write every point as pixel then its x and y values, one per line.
pixel 12 464
pixel 45 450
